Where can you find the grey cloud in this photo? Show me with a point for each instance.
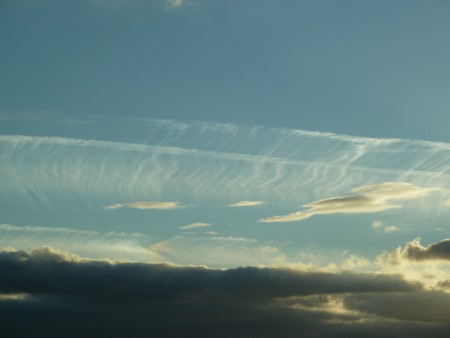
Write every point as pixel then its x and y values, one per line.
pixel 195 319
pixel 415 251
pixel 71 297
pixel 444 284
pixel 46 271
pixel 417 306
pixel 440 250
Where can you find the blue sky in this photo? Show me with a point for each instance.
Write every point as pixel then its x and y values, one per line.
pixel 371 68
pixel 212 136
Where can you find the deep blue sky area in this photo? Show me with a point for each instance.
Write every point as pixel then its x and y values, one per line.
pixel 366 68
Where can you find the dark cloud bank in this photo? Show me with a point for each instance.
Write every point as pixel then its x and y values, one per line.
pixel 63 296
pixel 434 251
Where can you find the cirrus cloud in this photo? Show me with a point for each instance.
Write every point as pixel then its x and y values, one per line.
pixel 146 205
pixel 194 225
pixel 245 204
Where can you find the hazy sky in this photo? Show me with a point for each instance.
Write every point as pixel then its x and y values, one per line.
pixel 237 168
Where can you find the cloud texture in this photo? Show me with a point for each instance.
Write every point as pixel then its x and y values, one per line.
pixel 367 199
pixel 196 302
pixel 415 251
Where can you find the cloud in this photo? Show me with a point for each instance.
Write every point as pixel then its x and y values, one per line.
pixel 44 272
pixel 168 4
pixel 194 225
pixel 114 206
pixel 429 264
pixel 62 294
pixel 415 251
pixel 385 228
pixel 390 228
pixel 216 251
pixel 172 4
pixel 367 199
pixel 161 158
pixel 95 244
pixel 147 205
pixel 245 204
pixel 418 307
pixel 377 225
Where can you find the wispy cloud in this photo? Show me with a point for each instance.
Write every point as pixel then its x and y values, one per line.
pixel 367 199
pixel 154 205
pixel 168 4
pixel 218 251
pixel 245 204
pixel 194 225
pixel 391 228
pixel 172 4
pixel 113 206
pixel 89 243
pixel 174 162
pixel 147 205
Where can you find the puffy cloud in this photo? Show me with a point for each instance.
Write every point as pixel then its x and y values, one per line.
pixel 415 251
pixel 429 264
pixel 245 204
pixel 378 225
pixel 366 199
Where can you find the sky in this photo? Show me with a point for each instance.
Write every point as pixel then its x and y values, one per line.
pixel 198 168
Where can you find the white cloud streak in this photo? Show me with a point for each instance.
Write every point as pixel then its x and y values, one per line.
pixel 154 205
pixel 246 204
pixel 194 226
pixel 166 160
pixel 172 4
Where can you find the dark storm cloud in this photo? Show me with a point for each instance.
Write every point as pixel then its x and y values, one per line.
pixel 71 297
